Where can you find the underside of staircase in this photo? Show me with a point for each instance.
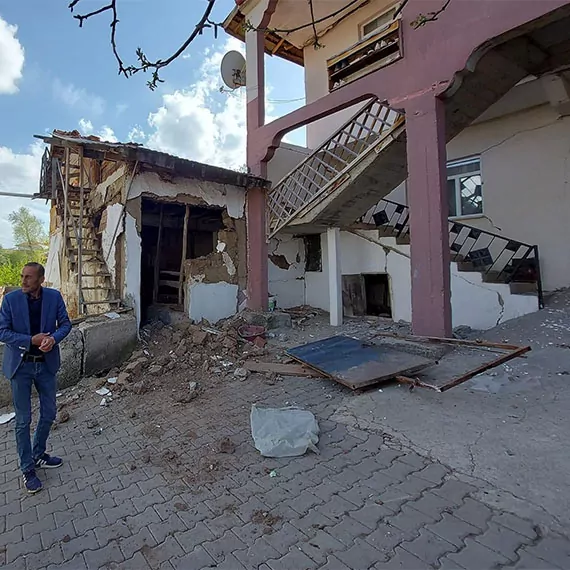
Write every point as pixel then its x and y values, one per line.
pixel 365 159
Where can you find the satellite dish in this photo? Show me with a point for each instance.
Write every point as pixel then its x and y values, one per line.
pixel 233 69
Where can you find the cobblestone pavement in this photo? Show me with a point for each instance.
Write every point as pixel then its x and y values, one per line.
pixel 125 497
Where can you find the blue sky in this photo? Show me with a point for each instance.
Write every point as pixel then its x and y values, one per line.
pixel 54 75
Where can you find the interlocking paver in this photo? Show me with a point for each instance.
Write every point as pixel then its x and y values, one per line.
pixel 402 560
pixel 79 544
pixel 428 547
pixel 220 547
pixel 282 539
pixel 454 491
pixel 293 560
pixel 347 530
pixel 22 548
pixel 410 520
pixel 503 540
pixel 107 533
pixel 385 538
pixel 320 546
pixel 529 562
pixel 103 556
pixel 360 555
pixel 133 544
pixel 552 549
pixel 522 526
pixel 256 554
pixel 166 528
pixel 474 512
pixel 476 556
pixel 453 530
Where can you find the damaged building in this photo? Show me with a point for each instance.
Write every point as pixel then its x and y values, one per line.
pixel 133 227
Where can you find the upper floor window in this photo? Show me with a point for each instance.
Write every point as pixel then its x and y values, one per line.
pixel 464 187
pixel 377 24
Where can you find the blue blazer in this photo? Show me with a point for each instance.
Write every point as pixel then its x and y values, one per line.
pixel 15 328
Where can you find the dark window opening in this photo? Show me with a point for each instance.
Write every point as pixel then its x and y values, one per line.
pixel 162 237
pixel 313 253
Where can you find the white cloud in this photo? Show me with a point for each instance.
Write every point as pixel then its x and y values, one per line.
pixel 200 123
pixel 11 58
pixel 20 174
pixel 77 97
pixel 85 126
pixel 136 134
pixel 105 133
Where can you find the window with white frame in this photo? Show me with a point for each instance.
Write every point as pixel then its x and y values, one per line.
pixel 377 24
pixel 464 187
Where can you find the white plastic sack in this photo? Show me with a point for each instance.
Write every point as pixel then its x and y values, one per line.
pixel 284 432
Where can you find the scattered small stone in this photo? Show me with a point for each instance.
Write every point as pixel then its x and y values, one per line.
pixel 63 417
pixel 92 423
pixel 226 445
pixel 155 370
pixel 263 517
pixel 133 414
pixel 241 373
pixel 132 467
pixel 145 456
pixel 199 337
pixel 169 455
pixel 66 538
pixel 139 387
pixel 181 506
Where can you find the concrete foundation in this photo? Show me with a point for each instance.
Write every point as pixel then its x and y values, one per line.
pixel 91 348
pixel 107 344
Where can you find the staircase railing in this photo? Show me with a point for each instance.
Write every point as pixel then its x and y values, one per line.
pixel 497 258
pixel 328 165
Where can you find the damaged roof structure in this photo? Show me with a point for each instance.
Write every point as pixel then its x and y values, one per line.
pixel 134 227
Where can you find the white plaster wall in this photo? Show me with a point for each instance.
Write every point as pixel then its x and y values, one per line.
pixel 53 270
pixel 285 159
pixel 339 38
pixel 474 303
pixel 288 285
pixel 525 164
pixel 230 197
pixel 133 251
pixel 212 301
pixel 110 234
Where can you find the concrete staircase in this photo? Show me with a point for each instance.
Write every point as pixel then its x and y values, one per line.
pixel 94 281
pixel 487 257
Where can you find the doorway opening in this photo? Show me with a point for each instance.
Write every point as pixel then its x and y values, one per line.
pixel 366 294
pixel 171 233
pixel 377 289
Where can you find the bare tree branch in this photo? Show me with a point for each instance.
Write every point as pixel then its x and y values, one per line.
pixel 423 19
pixel 144 63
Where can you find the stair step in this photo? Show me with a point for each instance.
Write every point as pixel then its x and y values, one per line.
pixel 522 288
pixel 96 275
pixel 106 302
pixel 403 240
pixel 97 288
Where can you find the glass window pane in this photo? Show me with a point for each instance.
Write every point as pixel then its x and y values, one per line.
pixel 451 196
pixel 471 196
pixel 472 166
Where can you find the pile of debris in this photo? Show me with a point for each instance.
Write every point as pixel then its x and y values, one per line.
pixel 187 357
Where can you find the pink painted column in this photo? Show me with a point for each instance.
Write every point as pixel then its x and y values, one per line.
pixel 429 211
pixel 257 272
pixel 257 251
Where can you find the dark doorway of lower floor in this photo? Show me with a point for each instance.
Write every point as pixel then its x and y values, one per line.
pixel 171 234
pixel 366 294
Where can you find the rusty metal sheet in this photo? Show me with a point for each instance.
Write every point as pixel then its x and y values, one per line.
pixel 357 364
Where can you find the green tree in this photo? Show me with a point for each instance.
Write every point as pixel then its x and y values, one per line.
pixel 28 231
pixel 31 242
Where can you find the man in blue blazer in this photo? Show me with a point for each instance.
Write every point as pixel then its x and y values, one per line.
pixel 33 321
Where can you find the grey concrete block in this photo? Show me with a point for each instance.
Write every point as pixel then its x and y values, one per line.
pixel 71 359
pixel 107 343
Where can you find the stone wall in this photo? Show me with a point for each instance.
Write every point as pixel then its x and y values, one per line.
pixel 92 347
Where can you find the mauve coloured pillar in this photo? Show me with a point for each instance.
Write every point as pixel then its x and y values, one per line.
pixel 257 272
pixel 429 211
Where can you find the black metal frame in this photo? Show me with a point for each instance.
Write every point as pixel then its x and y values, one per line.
pixel 479 250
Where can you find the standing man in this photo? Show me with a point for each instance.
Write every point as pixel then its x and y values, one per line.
pixel 33 321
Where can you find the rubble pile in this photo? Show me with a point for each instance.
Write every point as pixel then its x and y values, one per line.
pixel 194 354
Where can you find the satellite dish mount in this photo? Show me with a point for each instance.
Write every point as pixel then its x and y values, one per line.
pixel 233 70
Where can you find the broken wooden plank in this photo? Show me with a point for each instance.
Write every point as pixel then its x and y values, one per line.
pixel 468 375
pixel 283 369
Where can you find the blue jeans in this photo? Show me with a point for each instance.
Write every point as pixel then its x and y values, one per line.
pixel 45 382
